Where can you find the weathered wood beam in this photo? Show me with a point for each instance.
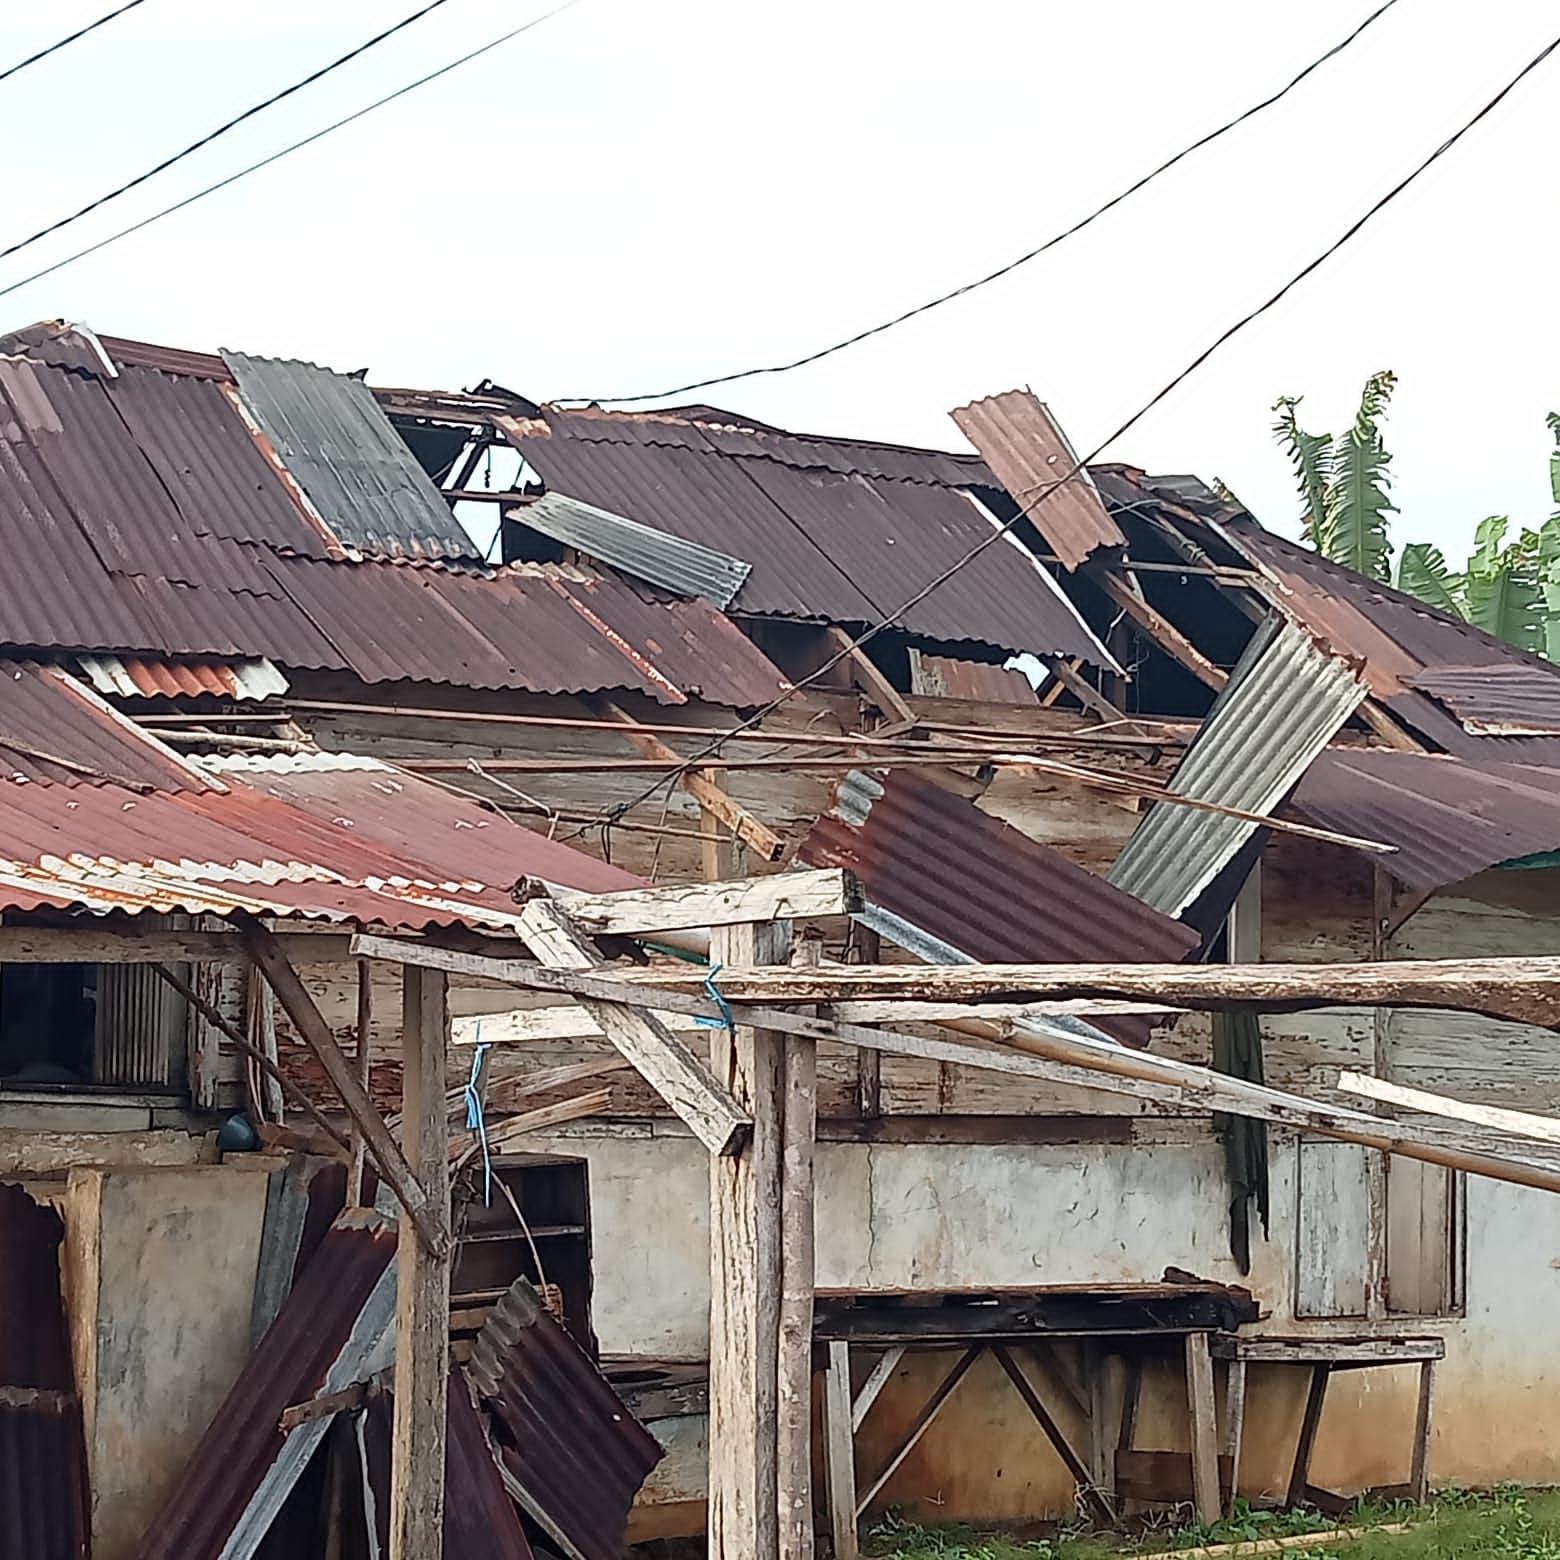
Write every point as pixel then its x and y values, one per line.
pixel 698 784
pixel 822 891
pixel 422 1316
pixel 1067 674
pixel 525 1026
pixel 393 1166
pixel 504 1133
pixel 660 1058
pixel 1162 631
pixel 1518 1123
pixel 136 945
pixel 872 681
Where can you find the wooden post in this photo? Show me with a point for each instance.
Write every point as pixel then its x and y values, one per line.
pixel 798 1263
pixel 365 1022
pixel 866 947
pixel 1234 1422
pixel 422 1317
pixel 1315 1401
pixel 1205 1438
pixel 746 1272
pixel 1419 1475
pixel 839 1452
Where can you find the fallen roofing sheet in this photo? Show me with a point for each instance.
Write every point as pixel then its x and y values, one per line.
pixel 43 1456
pixel 334 1329
pixel 836 530
pixel 1515 699
pixel 1283 703
pixel 981 886
pixel 1026 448
pixel 575 1457
pixel 356 469
pixel 669 561
pixel 141 677
pixel 1448 817
pixel 53 727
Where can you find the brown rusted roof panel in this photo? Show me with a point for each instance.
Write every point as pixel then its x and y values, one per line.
pixel 576 1454
pixel 1448 817
pixel 1025 447
pixel 1515 699
pixel 980 885
pixel 292 1363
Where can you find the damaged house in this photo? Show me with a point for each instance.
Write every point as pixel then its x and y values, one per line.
pixel 315 809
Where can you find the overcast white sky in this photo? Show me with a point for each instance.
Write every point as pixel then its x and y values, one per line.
pixel 641 192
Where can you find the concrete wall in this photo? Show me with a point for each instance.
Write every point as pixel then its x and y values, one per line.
pixel 159 1279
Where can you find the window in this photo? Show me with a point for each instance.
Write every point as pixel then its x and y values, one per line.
pixel 1425 1228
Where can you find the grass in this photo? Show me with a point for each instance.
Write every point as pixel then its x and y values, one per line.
pixel 1508 1523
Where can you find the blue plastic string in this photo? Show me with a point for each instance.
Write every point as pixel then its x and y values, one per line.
pixel 475 1119
pixel 713 992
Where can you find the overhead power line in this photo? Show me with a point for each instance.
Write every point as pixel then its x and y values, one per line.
pixel 70 38
pixel 1012 265
pixel 221 130
pixel 999 531
pixel 287 151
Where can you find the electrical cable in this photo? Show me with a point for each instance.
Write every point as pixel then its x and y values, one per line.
pixel 221 130
pixel 1012 265
pixel 999 531
pixel 80 32
pixel 287 151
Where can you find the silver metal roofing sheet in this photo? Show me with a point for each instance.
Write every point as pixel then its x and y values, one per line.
pixel 672 562
pixel 356 469
pixel 1283 703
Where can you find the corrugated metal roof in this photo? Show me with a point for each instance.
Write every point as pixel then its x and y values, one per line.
pixel 836 530
pixel 1510 700
pixel 1283 703
pixel 140 677
pixel 354 466
pixel 1448 817
pixel 669 561
pixel 575 1455
pixel 333 1330
pixel 1023 444
pixel 982 887
pixel 55 728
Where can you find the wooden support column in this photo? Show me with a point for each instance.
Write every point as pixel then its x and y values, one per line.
pixel 365 1023
pixel 1234 1422
pixel 1315 1401
pixel 746 1271
pixel 1419 1475
pixel 839 1452
pixel 866 947
pixel 1205 1442
pixel 422 1317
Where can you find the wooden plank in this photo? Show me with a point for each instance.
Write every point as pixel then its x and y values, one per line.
pixel 1162 631
pixel 922 1423
pixel 502 1135
pixel 872 1387
pixel 698 784
pixel 1066 673
pixel 1205 1432
pixel 1316 1397
pixel 1234 1423
pixel 1519 1123
pixel 526 1026
pixel 660 1058
pixel 361 1057
pixel 422 1283
pixel 132 945
pixel 1419 1475
pixel 746 1275
pixel 1093 1497
pixel 839 1453
pixel 394 1169
pixel 798 1266
pixel 1341 1353
pixel 794 895
pixel 1325 1538
pixel 872 681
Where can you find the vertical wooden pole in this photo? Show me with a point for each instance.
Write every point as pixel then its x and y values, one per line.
pixel 1378 1167
pixel 422 1318
pixel 798 1266
pixel 839 1453
pixel 1234 1422
pixel 1205 1442
pixel 1419 1476
pixel 866 948
pixel 745 1273
pixel 365 1023
pixel 1315 1401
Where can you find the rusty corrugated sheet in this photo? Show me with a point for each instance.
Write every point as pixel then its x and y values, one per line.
pixel 1285 700
pixel 980 886
pixel 43 1455
pixel 1025 447
pixel 53 727
pixel 836 530
pixel 979 682
pixel 333 1330
pixel 1517 699
pixel 141 677
pixel 356 469
pixel 1448 817
pixel 574 1455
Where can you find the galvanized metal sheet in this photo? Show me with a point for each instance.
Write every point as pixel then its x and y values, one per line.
pixel 1026 448
pixel 354 466
pixel 144 677
pixel 669 561
pixel 1283 703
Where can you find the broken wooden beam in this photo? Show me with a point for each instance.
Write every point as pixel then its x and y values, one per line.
pixel 1161 631
pixel 824 891
pixel 1517 1123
